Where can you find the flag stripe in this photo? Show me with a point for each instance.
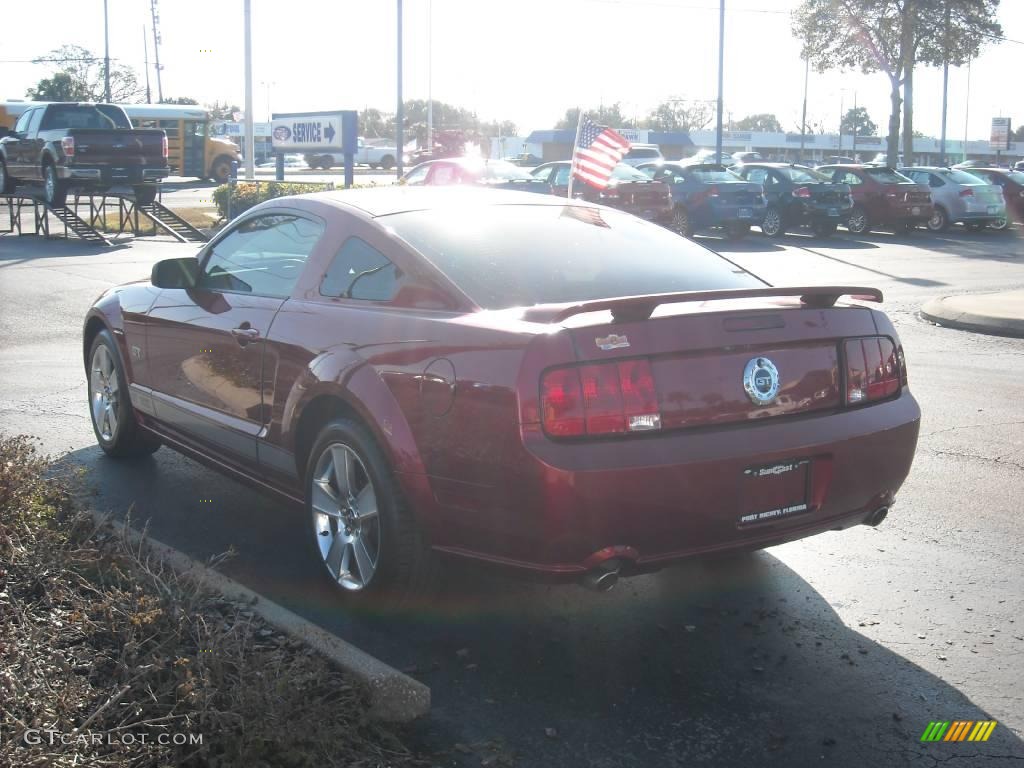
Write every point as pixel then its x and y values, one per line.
pixel 597 151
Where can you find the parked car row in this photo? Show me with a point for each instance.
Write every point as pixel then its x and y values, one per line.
pixel 696 195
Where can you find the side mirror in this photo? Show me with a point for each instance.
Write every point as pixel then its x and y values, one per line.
pixel 175 273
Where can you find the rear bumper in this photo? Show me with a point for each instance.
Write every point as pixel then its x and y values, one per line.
pixel 653 500
pixel 819 212
pixel 109 176
pixel 719 214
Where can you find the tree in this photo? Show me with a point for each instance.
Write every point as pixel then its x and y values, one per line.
pixel 679 115
pixel 611 116
pixel 85 72
pixel 858 121
pixel 890 36
pixel 222 111
pixel 60 87
pixel 765 123
pixel 1018 135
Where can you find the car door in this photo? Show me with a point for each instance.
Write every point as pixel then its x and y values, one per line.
pixel 205 345
pixel 858 190
pixel 16 146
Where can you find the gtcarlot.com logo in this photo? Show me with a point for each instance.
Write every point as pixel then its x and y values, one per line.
pixel 958 730
pixel 37 736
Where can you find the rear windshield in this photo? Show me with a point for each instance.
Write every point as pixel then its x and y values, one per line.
pixel 712 173
pixel 645 152
pixel 100 116
pixel 962 177
pixel 1017 176
pixel 623 172
pixel 501 171
pixel 887 176
pixel 519 255
pixel 802 175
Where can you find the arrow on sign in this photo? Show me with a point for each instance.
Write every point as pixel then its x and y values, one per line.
pixel 329 132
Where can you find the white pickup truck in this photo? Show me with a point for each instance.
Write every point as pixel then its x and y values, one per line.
pixel 372 155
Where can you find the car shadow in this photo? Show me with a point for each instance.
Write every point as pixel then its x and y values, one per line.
pixel 729 662
pixel 20 249
pixel 755 242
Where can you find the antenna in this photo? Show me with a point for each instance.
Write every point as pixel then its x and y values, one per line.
pixel 156 48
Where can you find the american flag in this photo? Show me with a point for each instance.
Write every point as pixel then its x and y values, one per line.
pixel 596 153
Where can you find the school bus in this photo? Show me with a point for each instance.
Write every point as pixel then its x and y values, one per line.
pixel 192 151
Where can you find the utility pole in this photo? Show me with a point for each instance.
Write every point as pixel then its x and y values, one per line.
pixel 842 94
pixel 945 90
pixel 803 118
pixel 106 55
pixel 430 78
pixel 156 50
pixel 250 138
pixel 145 54
pixel 853 152
pixel 721 64
pixel 400 112
pixel 967 108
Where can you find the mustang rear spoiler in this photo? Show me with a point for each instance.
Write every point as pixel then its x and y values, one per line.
pixel 627 308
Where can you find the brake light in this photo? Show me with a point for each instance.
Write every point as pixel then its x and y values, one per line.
pixel 164 148
pixel 967 192
pixel 67 145
pixel 803 192
pixel 600 399
pixel 874 369
pixel 713 192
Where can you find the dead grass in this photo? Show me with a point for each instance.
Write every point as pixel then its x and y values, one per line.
pixel 104 653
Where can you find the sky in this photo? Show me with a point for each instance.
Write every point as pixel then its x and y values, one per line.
pixel 524 60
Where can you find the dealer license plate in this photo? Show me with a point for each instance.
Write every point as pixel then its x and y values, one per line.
pixel 915 211
pixel 745 213
pixel 774 491
pixel 833 211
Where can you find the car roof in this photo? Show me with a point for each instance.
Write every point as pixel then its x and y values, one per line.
pixel 386 201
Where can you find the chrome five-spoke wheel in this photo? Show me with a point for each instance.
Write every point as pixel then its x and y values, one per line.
pixel 104 396
pixel 345 517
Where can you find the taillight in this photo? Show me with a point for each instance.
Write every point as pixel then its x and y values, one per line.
pixel 600 399
pixel 967 192
pixel 713 192
pixel 874 369
pixel 67 145
pixel 803 192
pixel 164 147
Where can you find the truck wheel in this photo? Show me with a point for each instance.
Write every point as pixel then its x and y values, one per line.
pixel 387 162
pixel 221 169
pixel 6 182
pixel 55 191
pixel 145 195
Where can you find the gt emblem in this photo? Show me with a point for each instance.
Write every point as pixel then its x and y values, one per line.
pixel 761 380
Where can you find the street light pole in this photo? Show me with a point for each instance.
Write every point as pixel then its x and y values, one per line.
pixel 721 64
pixel 250 138
pixel 400 112
pixel 842 95
pixel 106 55
pixel 803 118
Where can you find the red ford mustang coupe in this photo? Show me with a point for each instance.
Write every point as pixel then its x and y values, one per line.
pixel 548 385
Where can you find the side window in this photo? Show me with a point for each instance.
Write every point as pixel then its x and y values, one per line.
pixel 417 175
pixel 934 181
pixel 22 125
pixel 771 180
pixel 851 178
pixel 562 176
pixel 37 117
pixel 544 174
pixel 360 271
pixel 444 173
pixel 264 256
pixel 757 175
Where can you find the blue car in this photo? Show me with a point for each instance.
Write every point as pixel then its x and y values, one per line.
pixel 708 196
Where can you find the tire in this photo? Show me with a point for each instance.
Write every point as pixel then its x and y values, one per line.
pixel 110 409
pixel 773 225
pixel 823 228
pixel 858 222
pixel 379 560
pixel 939 222
pixel 1000 225
pixel 55 191
pixel 220 171
pixel 6 182
pixel 681 221
pixel 737 230
pixel 145 194
pixel 387 162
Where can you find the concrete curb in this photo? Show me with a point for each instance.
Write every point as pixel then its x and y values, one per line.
pixel 998 314
pixel 394 696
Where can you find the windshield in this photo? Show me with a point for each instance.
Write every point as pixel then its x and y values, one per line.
pixel 643 152
pixel 802 175
pixel 712 173
pixel 575 253
pixel 887 176
pixel 623 172
pixel 962 177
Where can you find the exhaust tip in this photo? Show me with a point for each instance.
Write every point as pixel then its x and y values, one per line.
pixel 876 517
pixel 604 577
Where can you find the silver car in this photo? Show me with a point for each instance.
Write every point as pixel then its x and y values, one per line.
pixel 959 197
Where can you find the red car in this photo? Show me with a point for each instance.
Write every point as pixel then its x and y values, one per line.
pixel 493 174
pixel 548 385
pixel 882 197
pixel 1012 183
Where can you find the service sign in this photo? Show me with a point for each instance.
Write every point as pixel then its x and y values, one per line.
pixel 1000 139
pixel 306 132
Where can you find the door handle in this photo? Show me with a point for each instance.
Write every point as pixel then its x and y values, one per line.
pixel 244 334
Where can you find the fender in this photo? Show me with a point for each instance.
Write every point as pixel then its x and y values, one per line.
pixel 121 311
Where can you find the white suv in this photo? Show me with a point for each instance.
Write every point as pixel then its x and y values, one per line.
pixel 643 153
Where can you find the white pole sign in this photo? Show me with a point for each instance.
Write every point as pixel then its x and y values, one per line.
pixel 306 132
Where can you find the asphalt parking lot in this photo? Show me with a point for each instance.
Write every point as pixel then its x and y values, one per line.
pixel 835 651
